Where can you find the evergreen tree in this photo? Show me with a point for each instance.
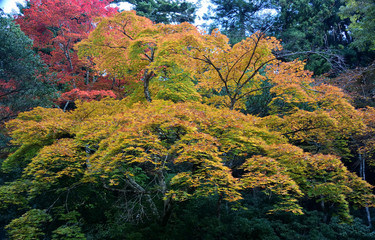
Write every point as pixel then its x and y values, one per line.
pixel 21 86
pixel 164 11
pixel 315 28
pixel 238 19
pixel 362 16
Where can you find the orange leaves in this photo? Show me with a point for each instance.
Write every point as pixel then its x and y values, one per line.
pixel 131 46
pixel 304 125
pixel 127 44
pixel 366 136
pixel 320 118
pixel 181 151
pixel 292 82
pixel 76 94
pixel 269 174
pixel 265 172
pixel 321 177
pixel 228 75
pixel 197 144
pixel 209 174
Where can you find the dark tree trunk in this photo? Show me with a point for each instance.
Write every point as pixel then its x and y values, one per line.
pixel 168 207
pixel 218 206
pixel 362 173
pixel 146 82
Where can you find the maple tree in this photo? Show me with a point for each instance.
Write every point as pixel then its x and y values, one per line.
pixel 55 26
pixel 149 156
pixel 113 161
pixel 316 116
pixel 319 123
pixel 128 45
pixel 111 43
pixel 228 75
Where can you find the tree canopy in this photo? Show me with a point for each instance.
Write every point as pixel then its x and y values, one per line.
pixel 160 153
pixel 23 84
pixel 164 11
pixel 54 33
pixel 239 19
pixel 224 136
pixel 361 14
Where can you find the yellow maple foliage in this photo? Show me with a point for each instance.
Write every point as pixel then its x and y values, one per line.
pixel 178 151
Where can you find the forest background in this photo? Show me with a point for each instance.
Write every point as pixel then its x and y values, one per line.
pixel 259 124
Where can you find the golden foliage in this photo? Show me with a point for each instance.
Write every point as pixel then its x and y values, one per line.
pixel 197 147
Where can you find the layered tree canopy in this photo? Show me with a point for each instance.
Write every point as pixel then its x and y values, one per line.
pixel 181 136
pixel 147 155
pixel 55 26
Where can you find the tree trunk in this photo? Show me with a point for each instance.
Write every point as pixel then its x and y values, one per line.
pixel 325 214
pixel 362 173
pixel 87 77
pixel 167 212
pixel 218 206
pixel 232 103
pixel 132 183
pixel 168 202
pixel 146 81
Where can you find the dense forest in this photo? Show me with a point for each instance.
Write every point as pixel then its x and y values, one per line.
pixel 258 124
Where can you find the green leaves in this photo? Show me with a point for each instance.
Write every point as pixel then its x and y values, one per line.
pixel 22 81
pixel 29 226
pixel 361 14
pixel 164 11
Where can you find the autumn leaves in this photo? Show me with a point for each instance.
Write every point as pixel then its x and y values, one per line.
pixel 178 136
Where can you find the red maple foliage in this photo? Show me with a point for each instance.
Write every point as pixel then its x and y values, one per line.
pixel 86 95
pixel 55 26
